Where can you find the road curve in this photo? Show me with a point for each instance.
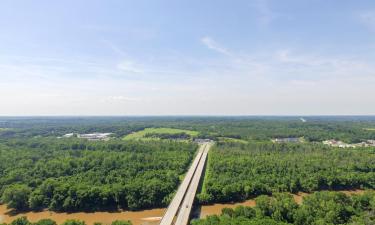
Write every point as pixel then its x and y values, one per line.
pixel 176 202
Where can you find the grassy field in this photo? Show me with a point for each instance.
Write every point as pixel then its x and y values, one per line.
pixel 163 130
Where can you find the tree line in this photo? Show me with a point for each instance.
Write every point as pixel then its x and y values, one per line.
pixel 24 221
pixel 181 135
pixel 320 208
pixel 79 175
pixel 241 171
pixel 316 129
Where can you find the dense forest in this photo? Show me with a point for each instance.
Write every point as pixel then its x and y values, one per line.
pixel 39 169
pixel 320 208
pixel 347 129
pixel 77 175
pixel 238 171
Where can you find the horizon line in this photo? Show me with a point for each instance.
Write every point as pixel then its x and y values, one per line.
pixel 197 115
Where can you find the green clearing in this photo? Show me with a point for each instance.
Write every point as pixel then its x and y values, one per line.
pixel 162 130
pixel 369 129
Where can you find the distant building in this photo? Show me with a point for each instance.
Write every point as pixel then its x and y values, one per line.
pixel 68 135
pixel 340 144
pixel 95 136
pixel 201 140
pixel 90 137
pixel 288 140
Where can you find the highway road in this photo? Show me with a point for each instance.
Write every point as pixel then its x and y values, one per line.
pixel 187 205
pixel 186 191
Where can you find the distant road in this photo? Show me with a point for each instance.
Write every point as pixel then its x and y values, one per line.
pixel 183 200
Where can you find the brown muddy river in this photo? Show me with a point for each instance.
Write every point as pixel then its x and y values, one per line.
pixel 145 217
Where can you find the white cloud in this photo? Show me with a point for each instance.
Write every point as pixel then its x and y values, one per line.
pixel 122 98
pixel 270 81
pixel 284 56
pixel 327 65
pixel 287 56
pixel 129 66
pixel 212 44
pixel 284 64
pixel 114 48
pixel 266 15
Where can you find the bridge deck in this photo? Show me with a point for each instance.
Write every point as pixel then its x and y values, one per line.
pixel 183 200
pixel 187 205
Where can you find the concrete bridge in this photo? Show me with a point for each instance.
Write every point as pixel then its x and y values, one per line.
pixel 178 211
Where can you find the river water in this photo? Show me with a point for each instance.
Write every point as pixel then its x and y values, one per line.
pixel 144 217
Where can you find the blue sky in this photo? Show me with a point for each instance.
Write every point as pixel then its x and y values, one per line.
pixel 255 57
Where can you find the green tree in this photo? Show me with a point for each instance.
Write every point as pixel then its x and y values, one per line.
pixel 37 200
pixel 73 222
pixel 16 196
pixel 283 207
pixel 227 212
pixel 263 206
pixel 20 221
pixel 45 222
pixel 325 208
pixel 244 211
pixel 121 222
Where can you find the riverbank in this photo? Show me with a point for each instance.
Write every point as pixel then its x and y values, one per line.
pixel 215 209
pixel 144 217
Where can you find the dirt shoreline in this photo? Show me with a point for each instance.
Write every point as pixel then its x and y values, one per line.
pixel 215 209
pixel 144 217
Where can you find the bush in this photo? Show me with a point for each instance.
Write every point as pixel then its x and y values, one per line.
pixel 121 222
pixel 74 222
pixel 46 222
pixel 20 221
pixel 16 196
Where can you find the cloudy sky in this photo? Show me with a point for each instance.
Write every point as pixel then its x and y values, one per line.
pixel 187 57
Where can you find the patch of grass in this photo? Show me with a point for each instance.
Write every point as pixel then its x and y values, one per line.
pixel 369 129
pixel 162 130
